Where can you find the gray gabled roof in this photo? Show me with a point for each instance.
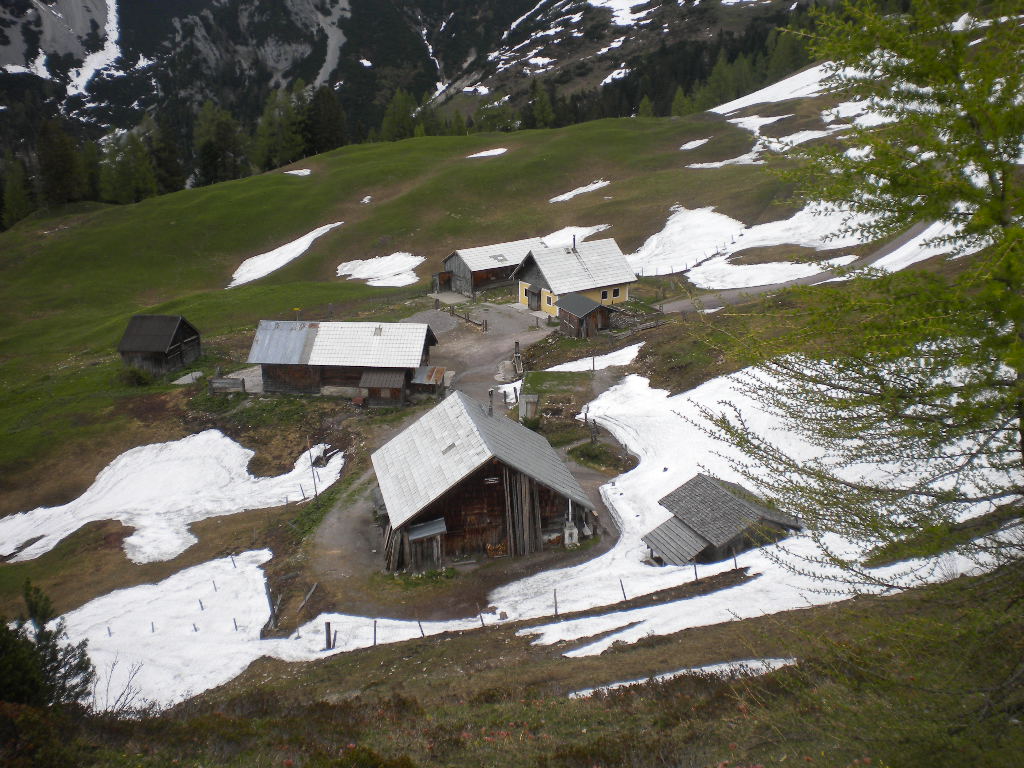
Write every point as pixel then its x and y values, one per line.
pixel 719 511
pixel 589 265
pixel 674 542
pixel 153 333
pixel 577 305
pixel 375 345
pixel 452 440
pixel 499 255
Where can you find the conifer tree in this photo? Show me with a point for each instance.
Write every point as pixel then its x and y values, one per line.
pixel 60 169
pixel 681 105
pixel 543 112
pixel 398 122
pixel 646 108
pixel 17 201
pixel 324 125
pixel 914 372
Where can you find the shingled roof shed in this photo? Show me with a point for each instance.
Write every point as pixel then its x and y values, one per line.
pixel 712 519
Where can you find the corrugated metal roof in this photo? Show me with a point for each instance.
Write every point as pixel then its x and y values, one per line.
pixel 382 378
pixel 719 511
pixel 450 441
pixel 498 255
pixel 375 345
pixel 591 265
pixel 152 333
pixel 429 375
pixel 427 529
pixel 577 305
pixel 282 342
pixel 674 542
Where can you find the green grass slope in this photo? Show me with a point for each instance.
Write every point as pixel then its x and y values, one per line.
pixel 69 280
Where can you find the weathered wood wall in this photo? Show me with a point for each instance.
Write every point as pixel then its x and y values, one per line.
pixel 494 510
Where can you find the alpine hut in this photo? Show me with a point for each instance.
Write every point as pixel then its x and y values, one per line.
pixel 159 343
pixel 462 481
pixel 469 270
pixel 373 361
pixel 711 520
pixel 597 270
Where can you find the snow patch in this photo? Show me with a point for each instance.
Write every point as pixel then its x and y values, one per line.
pixel 299 172
pixel 799 86
pixel 700 242
pixel 563 238
pixel 102 59
pixel 694 144
pixel 489 153
pixel 579 191
pixel 161 489
pixel 394 270
pixel 745 668
pixel 256 267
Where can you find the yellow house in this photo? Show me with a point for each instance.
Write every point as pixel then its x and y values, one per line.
pixel 597 270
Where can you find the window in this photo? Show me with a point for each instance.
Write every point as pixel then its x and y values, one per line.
pixel 604 295
pixel 549 301
pixel 615 293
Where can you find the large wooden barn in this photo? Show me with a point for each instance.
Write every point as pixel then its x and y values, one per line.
pixel 461 481
pixel 596 270
pixel 469 270
pixel 712 520
pixel 375 361
pixel 160 343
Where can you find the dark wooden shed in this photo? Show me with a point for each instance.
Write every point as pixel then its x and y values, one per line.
pixel 160 343
pixel 472 482
pixel 581 317
pixel 712 520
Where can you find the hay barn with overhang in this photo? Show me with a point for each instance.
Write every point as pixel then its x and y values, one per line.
pixel 377 362
pixel 462 481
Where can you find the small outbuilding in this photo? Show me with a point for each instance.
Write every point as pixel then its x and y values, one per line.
pixel 580 317
pixel 712 520
pixel 374 361
pixel 160 343
pixel 463 481
pixel 469 270
pixel 596 270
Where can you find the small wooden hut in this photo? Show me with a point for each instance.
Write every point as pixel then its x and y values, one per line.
pixel 462 481
pixel 160 343
pixel 712 520
pixel 581 317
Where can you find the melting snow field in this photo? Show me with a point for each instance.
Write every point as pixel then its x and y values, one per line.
pixel 579 191
pixel 747 667
pixel 694 144
pixel 185 647
pixel 256 267
pixel 160 489
pixel 393 270
pixel 702 240
pixel 298 172
pixel 799 86
pixel 489 153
